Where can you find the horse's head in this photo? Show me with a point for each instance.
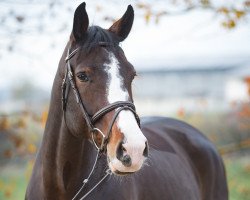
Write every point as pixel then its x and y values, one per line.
pixel 103 76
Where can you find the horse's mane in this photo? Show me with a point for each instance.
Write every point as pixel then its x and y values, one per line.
pixel 98 36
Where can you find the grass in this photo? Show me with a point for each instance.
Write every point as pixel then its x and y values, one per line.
pixel 12 184
pixel 238 176
pixel 13 180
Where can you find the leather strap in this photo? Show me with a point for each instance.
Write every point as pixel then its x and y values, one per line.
pixel 77 95
pixel 111 107
pixel 113 121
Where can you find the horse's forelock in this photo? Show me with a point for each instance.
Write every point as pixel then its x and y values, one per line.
pixel 97 36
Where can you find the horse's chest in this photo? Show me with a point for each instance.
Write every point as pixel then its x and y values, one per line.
pixel 135 189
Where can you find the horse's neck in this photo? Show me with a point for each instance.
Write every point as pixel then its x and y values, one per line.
pixel 63 156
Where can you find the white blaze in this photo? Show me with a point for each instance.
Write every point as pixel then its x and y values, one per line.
pixel 133 138
pixel 114 88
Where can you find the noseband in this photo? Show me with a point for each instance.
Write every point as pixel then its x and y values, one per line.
pixel 91 120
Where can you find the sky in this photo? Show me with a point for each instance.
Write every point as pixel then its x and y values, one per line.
pixel 194 39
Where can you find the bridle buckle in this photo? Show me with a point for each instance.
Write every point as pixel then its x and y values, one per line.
pixel 96 131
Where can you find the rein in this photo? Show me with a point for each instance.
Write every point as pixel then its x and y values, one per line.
pixel 91 120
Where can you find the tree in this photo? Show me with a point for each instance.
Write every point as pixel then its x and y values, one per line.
pixel 16 24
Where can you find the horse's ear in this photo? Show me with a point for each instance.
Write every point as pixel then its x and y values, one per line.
pixel 123 26
pixel 81 23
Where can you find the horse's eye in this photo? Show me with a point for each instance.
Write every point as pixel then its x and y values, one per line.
pixel 83 77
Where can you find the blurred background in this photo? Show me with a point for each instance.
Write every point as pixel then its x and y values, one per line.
pixel 193 63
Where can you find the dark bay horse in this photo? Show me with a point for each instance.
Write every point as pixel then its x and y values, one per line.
pixel 92 106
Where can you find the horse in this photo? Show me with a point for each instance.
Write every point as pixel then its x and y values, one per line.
pixel 96 147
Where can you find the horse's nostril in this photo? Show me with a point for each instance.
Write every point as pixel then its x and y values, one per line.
pixel 123 149
pixel 120 151
pixel 145 152
pixel 126 161
pixel 122 156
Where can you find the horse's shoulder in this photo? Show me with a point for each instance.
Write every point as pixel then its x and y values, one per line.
pixel 189 145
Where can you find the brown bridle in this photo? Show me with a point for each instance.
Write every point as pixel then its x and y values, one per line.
pixel 91 120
